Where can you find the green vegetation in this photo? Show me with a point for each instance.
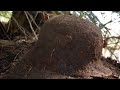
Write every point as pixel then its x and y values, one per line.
pixel 5 16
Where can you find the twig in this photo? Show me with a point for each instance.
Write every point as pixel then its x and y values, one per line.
pixel 117 37
pixel 3 29
pixel 112 53
pixel 19 26
pixel 31 26
pixel 26 75
pixel 33 20
pixel 18 54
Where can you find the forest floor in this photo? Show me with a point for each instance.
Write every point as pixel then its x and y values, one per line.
pixel 12 54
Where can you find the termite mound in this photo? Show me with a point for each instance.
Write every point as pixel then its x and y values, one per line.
pixel 65 44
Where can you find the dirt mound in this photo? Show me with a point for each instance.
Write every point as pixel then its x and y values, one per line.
pixel 66 43
pixel 68 48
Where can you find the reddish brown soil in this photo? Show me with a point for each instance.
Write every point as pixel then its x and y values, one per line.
pixel 12 66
